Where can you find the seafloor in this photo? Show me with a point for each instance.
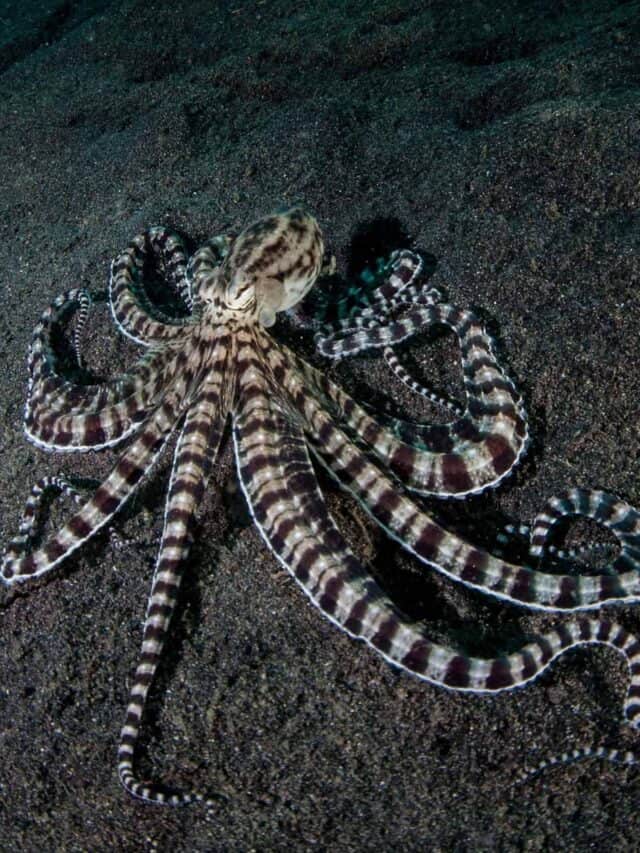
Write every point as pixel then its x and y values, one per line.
pixel 504 139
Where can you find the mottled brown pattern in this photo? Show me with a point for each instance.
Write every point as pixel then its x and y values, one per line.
pixel 215 360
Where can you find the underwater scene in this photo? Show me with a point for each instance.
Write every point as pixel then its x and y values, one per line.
pixel 320 425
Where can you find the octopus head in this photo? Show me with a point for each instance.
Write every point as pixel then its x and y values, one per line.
pixel 272 264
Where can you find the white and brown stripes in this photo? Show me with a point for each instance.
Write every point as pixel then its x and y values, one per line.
pixel 422 390
pixel 474 452
pixel 64 415
pixel 465 457
pixel 363 330
pixel 582 753
pixel 100 508
pixel 380 495
pixel 490 431
pixel 133 312
pixel 34 504
pixel 281 488
pixel 606 509
pixel 195 452
pixel 206 261
pixel 214 358
pixel 401 287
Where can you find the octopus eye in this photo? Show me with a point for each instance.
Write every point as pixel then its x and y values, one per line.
pixel 240 291
pixel 267 316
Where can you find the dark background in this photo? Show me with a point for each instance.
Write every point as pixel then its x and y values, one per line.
pixel 503 138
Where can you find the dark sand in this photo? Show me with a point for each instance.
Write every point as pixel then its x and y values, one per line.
pixel 505 139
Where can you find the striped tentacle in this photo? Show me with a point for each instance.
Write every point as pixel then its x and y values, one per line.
pixel 172 262
pixel 591 752
pixel 33 507
pixel 77 431
pixel 405 377
pixel 139 389
pixel 286 503
pixel 403 284
pixel 475 452
pixel 400 286
pixel 523 531
pixel 196 450
pixel 392 299
pixel 468 455
pixel 135 463
pixel 361 309
pixel 416 531
pixel 133 312
pixel 84 307
pixel 205 261
pixel 606 509
pixel 481 437
pixel 51 392
pixel 289 510
pixel 92 431
pixel 66 416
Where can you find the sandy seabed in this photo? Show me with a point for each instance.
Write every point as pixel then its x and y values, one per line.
pixel 502 138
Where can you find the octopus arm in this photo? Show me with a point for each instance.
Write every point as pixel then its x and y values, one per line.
pixel 19 564
pixel 132 310
pixel 382 496
pixel 288 508
pixel 51 392
pixel 196 451
pixel 475 452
